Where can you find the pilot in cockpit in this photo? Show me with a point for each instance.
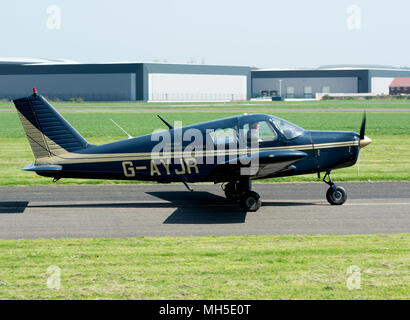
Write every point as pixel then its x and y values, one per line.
pixel 253 132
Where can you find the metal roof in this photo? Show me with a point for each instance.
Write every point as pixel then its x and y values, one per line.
pixel 28 61
pixel 339 67
pixel 401 82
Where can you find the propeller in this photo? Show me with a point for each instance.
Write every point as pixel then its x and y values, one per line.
pixel 363 127
pixel 364 140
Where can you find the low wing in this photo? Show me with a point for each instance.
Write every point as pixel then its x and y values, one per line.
pixel 257 165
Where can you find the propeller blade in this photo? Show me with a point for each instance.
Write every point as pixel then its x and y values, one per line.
pixel 358 163
pixel 363 127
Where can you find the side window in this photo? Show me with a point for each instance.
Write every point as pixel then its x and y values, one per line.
pixel 259 130
pixel 224 136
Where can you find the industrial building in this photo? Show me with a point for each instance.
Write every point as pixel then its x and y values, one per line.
pixel 305 83
pixel 131 81
pixel 124 81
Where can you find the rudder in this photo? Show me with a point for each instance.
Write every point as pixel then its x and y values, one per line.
pixel 49 134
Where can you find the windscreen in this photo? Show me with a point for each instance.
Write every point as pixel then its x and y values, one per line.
pixel 288 129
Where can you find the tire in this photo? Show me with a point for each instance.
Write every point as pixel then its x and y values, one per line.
pixel 336 199
pixel 250 201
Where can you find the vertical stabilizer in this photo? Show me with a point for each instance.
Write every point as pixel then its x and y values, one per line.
pixel 49 134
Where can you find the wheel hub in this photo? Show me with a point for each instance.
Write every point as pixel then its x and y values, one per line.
pixel 250 202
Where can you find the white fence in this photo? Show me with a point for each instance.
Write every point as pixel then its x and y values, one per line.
pixel 196 96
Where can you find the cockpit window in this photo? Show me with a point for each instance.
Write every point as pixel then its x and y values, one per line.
pixel 260 131
pixel 223 135
pixel 289 130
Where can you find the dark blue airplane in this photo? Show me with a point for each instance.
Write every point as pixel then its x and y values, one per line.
pixel 233 151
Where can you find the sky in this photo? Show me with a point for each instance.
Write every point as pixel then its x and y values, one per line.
pixel 258 33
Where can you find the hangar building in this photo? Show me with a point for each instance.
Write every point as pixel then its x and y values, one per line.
pixel 305 83
pixel 124 81
pixel 132 81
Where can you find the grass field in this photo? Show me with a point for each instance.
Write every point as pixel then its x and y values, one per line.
pixel 321 104
pixel 387 158
pixel 236 267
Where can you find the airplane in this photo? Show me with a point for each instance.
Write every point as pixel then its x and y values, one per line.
pixel 232 151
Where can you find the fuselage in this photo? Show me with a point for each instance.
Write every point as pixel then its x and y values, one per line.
pixel 192 153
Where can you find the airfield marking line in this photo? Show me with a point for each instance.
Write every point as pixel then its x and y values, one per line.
pixel 36 204
pixel 325 203
pixel 320 202
pixel 377 203
pixel 39 204
pixel 314 201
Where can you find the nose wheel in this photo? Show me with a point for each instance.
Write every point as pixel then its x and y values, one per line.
pixel 335 195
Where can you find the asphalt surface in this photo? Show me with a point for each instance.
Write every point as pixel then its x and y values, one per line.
pixel 170 210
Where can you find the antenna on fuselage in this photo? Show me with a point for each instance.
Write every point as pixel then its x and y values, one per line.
pixel 165 121
pixel 129 136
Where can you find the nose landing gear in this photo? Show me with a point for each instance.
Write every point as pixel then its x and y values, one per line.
pixel 249 201
pixel 335 195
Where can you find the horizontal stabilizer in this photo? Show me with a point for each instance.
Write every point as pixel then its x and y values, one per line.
pixel 43 168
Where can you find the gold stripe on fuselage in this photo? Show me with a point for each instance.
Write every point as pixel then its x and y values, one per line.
pixel 73 158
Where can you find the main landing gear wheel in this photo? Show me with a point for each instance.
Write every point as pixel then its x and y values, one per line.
pixel 335 195
pixel 250 201
pixel 241 191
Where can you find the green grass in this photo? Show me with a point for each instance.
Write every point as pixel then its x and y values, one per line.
pixel 98 124
pixel 235 267
pixel 322 104
pixel 387 158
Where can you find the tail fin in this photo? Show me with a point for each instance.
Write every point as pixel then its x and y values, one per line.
pixel 48 132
